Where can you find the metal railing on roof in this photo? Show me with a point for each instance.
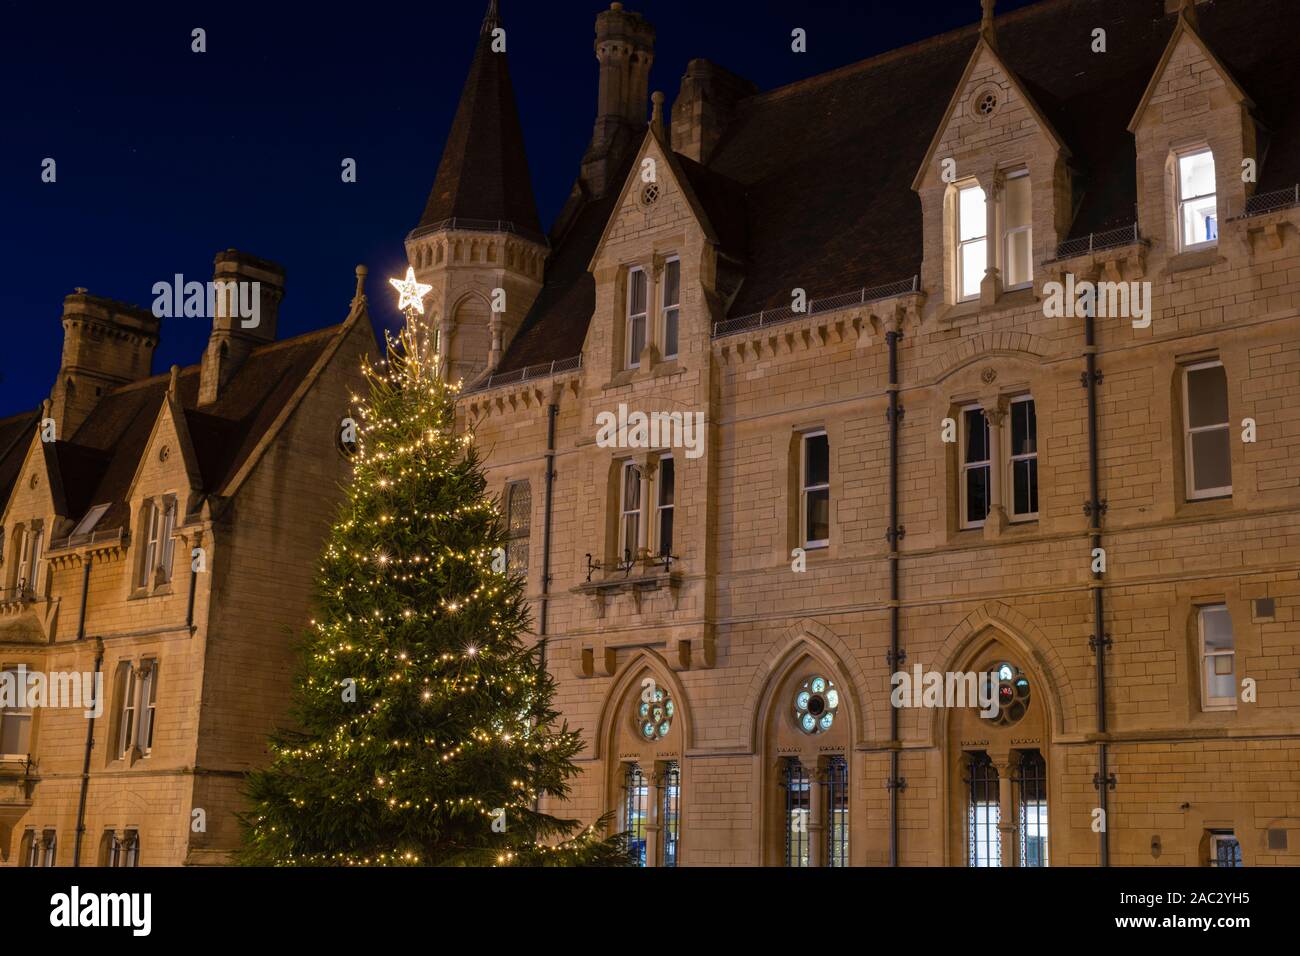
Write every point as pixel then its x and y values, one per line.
pixel 519 375
pixel 94 537
pixel 832 303
pixel 1098 241
pixel 1261 203
pixel 463 224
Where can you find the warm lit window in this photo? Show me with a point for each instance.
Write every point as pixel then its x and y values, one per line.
pixel 798 806
pixel 976 467
pixel 837 811
pixel 815 490
pixel 1218 658
pixel 629 529
pixel 15 722
pixel 1206 440
pixel 1031 802
pixel 671 305
pixel 636 793
pixel 1024 459
pixel 636 316
pixel 519 513
pixel 1198 217
pixel 664 496
pixel 972 245
pixel 671 811
pixel 1017 233
pixel 983 812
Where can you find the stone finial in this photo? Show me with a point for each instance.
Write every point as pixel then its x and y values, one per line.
pixel 1188 9
pixel 657 111
pixel 360 295
pixel 986 22
pixel 492 19
pixel 171 384
pixel 46 407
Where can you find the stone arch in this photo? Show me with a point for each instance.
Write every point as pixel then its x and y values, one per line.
pixel 805 638
pixel 988 345
pixel 973 633
pixel 625 682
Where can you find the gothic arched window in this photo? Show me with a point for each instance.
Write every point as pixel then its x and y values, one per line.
pixel 984 811
pixel 519 516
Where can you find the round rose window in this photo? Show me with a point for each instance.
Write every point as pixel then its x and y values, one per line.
pixel 815 704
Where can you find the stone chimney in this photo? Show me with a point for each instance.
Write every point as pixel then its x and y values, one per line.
pixel 705 104
pixel 105 344
pixel 246 310
pixel 625 48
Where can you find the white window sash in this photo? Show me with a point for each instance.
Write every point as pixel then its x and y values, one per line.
pixel 127 725
pixel 671 311
pixel 38 551
pixel 147 705
pixel 634 355
pixel 1012 459
pixel 22 714
pixel 1209 702
pixel 166 544
pixel 149 523
pixel 1009 234
pixel 1185 201
pixel 806 489
pixel 22 581
pixel 629 541
pixel 1189 461
pixel 963 243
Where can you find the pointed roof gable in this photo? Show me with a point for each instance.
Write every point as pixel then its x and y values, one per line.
pixel 984 47
pixel 1186 27
pixel 484 169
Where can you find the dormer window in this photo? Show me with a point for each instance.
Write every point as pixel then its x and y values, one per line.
pixel 972 241
pixel 1198 209
pixel 637 300
pixel 1017 232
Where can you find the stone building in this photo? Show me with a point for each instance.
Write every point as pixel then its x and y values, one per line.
pixel 165 540
pixel 928 447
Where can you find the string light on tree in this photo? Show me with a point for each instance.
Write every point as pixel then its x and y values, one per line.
pixel 424 715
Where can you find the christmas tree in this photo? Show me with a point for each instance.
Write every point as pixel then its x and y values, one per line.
pixel 426 730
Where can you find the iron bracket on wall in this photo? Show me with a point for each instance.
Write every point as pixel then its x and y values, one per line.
pixel 1096 377
pixel 895 534
pixel 1110 781
pixel 1100 507
pixel 895 783
pixel 1105 642
pixel 896 660
pixel 889 414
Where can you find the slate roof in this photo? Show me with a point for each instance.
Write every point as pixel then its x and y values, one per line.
pixel 484 169
pixel 97 465
pixel 811 182
pixel 16 434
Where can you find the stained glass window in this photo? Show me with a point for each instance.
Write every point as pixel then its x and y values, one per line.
pixel 655 710
pixel 519 514
pixel 815 704
pixel 1011 687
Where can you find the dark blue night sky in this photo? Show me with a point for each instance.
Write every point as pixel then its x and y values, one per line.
pixel 166 156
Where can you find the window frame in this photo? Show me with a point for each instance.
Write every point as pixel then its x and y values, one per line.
pixel 1008 233
pixel 516 535
pixel 961 244
pixel 1227 837
pixel 9 713
pixel 1013 458
pixel 838 810
pixel 1182 202
pixel 633 359
pixel 660 508
pixel 666 307
pixel 636 813
pixel 127 716
pixel 1190 492
pixel 626 550
pixel 147 706
pixel 963 466
pixel 1210 703
pixel 987 832
pixel 671 813
pixel 22 571
pixel 797 784
pixel 805 489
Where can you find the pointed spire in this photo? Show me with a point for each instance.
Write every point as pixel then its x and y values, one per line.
pixel 986 23
pixel 484 171
pixel 1187 10
pixel 657 112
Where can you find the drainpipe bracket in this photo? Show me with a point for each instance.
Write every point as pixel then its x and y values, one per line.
pixel 1096 378
pixel 1097 781
pixel 896 783
pixel 889 414
pixel 1095 507
pixel 896 660
pixel 895 534
pixel 1105 642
